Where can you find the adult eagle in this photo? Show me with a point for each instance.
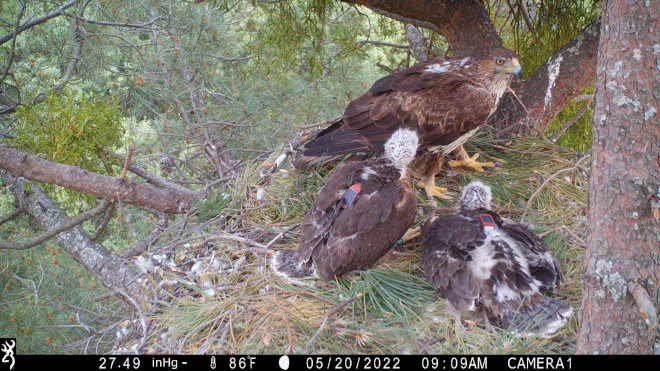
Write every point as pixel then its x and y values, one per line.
pixel 476 257
pixel 363 209
pixel 445 100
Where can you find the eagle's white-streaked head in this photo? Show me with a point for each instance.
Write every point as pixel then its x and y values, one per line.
pixel 401 148
pixel 475 195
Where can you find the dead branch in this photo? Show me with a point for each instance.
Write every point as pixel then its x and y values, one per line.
pixel 646 307
pixel 59 229
pixel 326 318
pixel 111 271
pixel 143 322
pixel 570 123
pixel 10 216
pixel 382 43
pixel 322 123
pixel 37 21
pixel 72 177
pixel 104 222
pixel 145 243
pixel 417 43
pixel 153 178
pixel 127 163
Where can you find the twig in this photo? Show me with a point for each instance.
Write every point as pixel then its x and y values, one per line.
pixel 646 306
pixel 322 123
pixel 575 236
pixel 10 216
pixel 152 178
pixel 61 228
pixel 289 334
pixel 535 127
pixel 200 326
pixel 570 123
pixel 104 223
pixel 326 318
pixel 36 21
pixel 148 241
pixel 216 182
pixel 382 43
pixel 385 68
pixel 145 330
pixel 224 237
pixel 276 238
pixel 127 163
pixel 529 202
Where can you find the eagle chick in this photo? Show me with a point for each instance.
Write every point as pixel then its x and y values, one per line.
pixel 476 257
pixel 363 209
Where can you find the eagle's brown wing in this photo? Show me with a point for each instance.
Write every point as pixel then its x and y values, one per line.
pixel 363 233
pixel 323 213
pixel 542 265
pixel 447 246
pixel 441 106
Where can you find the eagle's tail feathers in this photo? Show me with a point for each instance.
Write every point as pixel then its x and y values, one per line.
pixel 307 163
pixel 331 144
pixel 287 263
pixel 543 319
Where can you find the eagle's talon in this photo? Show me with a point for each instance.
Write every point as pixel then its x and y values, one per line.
pixel 471 162
pixel 412 233
pixel 476 166
pixel 435 191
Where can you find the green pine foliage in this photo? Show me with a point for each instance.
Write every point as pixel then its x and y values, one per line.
pixel 73 130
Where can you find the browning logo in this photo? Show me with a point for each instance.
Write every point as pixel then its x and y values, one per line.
pixel 8 348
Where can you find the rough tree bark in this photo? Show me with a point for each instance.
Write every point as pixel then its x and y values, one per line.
pixel 469 31
pixel 465 24
pixel 622 266
pixel 545 94
pixel 111 271
pixel 37 169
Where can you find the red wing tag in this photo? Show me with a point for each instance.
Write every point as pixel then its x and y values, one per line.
pixel 487 222
pixel 351 195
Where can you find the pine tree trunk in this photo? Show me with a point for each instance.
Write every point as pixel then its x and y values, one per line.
pixel 622 265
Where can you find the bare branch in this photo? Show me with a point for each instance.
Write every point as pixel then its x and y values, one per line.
pixel 570 123
pixel 418 43
pixel 37 21
pixel 382 43
pixel 113 24
pixel 153 178
pixel 645 304
pixel 72 177
pixel 111 271
pixel 13 45
pixel 10 216
pixel 60 228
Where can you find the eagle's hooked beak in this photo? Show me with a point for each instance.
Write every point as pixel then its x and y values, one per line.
pixel 517 68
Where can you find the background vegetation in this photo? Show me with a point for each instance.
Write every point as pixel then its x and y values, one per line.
pixel 249 76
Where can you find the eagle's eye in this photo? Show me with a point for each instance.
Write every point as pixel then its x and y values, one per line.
pixel 499 61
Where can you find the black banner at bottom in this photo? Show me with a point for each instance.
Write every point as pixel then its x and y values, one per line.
pixel 324 362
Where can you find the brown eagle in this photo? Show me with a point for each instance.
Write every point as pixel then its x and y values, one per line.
pixel 364 208
pixel 476 258
pixel 445 100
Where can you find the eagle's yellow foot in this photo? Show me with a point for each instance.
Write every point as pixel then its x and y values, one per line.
pixel 412 233
pixel 472 163
pixel 434 191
